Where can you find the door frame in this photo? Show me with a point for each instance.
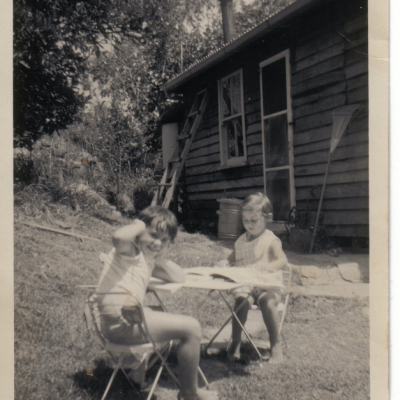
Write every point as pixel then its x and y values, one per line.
pixel 284 54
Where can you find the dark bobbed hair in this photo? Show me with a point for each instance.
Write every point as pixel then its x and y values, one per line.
pixel 160 220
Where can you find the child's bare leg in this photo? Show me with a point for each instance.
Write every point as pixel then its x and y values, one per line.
pixel 187 330
pixel 138 375
pixel 268 305
pixel 234 348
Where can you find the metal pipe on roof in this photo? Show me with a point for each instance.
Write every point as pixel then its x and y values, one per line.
pixel 239 43
pixel 228 20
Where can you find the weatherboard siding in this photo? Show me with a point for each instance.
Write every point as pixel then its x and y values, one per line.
pixel 329 69
pixel 339 59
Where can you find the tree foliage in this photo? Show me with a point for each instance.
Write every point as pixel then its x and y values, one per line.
pixel 54 39
pixel 119 124
pixel 52 42
pixel 112 56
pixel 198 29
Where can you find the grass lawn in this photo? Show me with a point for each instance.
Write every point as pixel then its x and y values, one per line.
pixel 327 356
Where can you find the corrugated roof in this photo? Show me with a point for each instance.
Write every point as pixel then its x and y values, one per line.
pixel 237 43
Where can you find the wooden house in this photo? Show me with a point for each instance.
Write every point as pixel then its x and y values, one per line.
pixel 267 124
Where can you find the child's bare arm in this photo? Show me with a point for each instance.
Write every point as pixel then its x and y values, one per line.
pixel 168 271
pixel 124 238
pixel 232 258
pixel 227 262
pixel 222 263
pixel 279 257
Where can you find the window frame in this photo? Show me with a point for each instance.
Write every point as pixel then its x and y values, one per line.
pixel 227 162
pixel 289 112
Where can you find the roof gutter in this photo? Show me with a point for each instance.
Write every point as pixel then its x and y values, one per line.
pixel 239 43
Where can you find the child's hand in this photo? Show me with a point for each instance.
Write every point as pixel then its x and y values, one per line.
pixel 222 263
pixel 140 227
pixel 262 266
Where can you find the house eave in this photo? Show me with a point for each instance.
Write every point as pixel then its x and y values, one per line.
pixel 289 12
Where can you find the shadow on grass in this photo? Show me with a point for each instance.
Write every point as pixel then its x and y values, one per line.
pixel 94 383
pixel 248 355
pixel 215 367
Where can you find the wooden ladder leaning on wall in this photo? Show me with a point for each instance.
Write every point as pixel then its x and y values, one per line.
pixel 176 163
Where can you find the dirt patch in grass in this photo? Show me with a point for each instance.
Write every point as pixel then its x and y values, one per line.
pixel 327 353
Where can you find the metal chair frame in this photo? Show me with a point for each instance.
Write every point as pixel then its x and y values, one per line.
pixel 117 353
pixel 286 300
pixel 234 314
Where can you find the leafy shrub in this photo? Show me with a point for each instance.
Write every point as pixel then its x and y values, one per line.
pixel 60 163
pixel 130 157
pixel 23 166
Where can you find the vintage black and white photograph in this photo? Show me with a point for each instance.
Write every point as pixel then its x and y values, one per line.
pixel 192 200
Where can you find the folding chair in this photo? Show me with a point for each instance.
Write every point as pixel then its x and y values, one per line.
pixel 129 356
pixel 282 308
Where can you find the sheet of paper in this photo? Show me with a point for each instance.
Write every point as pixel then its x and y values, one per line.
pixel 213 284
pixel 159 284
pixel 245 276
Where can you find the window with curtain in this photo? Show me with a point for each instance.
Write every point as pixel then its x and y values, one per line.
pixel 231 120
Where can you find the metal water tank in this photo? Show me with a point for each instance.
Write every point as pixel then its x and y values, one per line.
pixel 170 134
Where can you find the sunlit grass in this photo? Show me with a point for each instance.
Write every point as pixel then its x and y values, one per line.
pixel 327 355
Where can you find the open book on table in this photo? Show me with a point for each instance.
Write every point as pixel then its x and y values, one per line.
pixel 245 276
